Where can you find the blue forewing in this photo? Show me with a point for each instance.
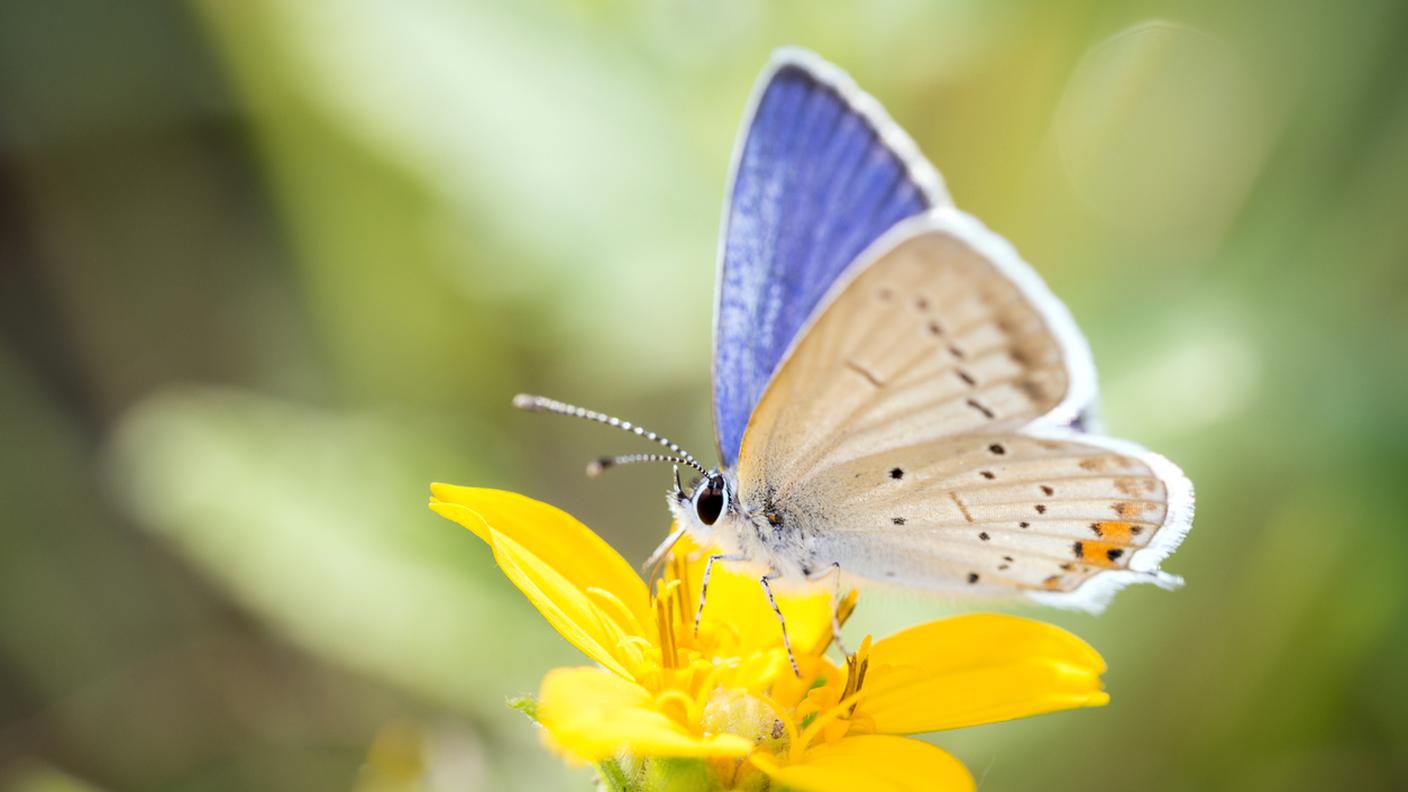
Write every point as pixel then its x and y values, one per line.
pixel 820 172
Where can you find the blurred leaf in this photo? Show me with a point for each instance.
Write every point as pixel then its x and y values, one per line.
pixel 317 521
pixel 40 778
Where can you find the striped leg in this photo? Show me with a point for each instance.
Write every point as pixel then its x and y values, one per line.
pixel 704 584
pixel 764 581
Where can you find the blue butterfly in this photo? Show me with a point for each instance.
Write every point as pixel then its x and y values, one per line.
pixel 898 397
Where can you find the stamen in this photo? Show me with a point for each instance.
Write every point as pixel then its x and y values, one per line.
pixel 844 705
pixel 668 658
pixel 690 711
pixel 711 679
pixel 604 622
pixel 682 575
pixel 856 666
pixel 627 618
pixel 851 695
pixel 632 646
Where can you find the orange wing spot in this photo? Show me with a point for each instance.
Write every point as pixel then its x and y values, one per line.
pixel 1102 554
pixel 1131 509
pixel 1097 463
pixel 1053 582
pixel 1113 532
pixel 1134 487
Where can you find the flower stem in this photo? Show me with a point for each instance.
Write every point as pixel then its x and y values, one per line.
pixel 612 776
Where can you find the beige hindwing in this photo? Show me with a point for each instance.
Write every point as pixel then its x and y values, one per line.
pixel 904 432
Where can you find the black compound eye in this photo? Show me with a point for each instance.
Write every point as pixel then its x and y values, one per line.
pixel 710 502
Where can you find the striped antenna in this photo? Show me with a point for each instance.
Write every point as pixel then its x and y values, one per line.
pixel 524 401
pixel 598 466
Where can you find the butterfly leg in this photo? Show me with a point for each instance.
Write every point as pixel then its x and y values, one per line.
pixel 764 581
pixel 834 569
pixel 704 583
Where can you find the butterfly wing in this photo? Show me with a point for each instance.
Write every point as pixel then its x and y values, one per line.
pixel 916 432
pixel 820 172
pixel 1064 518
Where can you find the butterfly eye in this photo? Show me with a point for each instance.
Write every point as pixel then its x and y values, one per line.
pixel 709 501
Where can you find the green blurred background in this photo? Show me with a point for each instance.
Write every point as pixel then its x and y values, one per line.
pixel 268 268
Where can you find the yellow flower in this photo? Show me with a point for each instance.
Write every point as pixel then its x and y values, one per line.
pixel 726 696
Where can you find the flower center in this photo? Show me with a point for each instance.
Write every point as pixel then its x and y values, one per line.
pixel 736 711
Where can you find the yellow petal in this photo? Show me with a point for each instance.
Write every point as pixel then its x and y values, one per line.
pixel 569 574
pixel 580 620
pixel 977 669
pixel 590 715
pixel 549 533
pixel 870 762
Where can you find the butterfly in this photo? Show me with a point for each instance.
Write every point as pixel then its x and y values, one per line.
pixel 898 397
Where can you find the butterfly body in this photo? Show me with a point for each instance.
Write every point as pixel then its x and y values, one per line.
pixel 898 396
pixel 754 526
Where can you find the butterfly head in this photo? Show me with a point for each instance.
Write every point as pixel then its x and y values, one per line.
pixel 712 498
pixel 709 508
pixel 706 508
pixel 708 499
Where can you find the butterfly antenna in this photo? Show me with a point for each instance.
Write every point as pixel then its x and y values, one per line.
pixel 542 404
pixel 598 466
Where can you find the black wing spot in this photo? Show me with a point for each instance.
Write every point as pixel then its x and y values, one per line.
pixel 997 448
pixel 1008 559
pixel 1095 527
pixel 984 535
pixel 1040 508
pixel 897 520
pixel 1114 553
pixel 865 372
pixel 1003 568
pixel 1079 548
pixel 977 405
pixel 1046 490
pixel 972 577
pixel 935 328
pixel 896 473
pixel 1136 529
pixel 921 302
pixel 966 377
pixel 988 474
pixel 955 351
pixel 1024 524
